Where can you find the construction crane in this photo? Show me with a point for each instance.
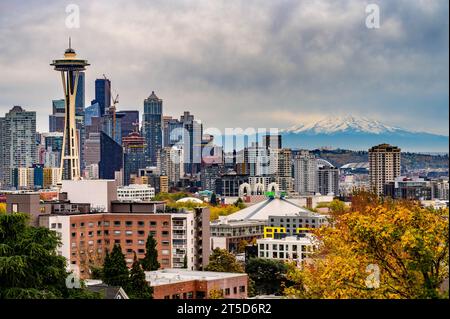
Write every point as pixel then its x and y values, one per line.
pixel 112 109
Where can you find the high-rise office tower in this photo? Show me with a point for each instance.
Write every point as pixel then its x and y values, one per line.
pixel 129 121
pixel 103 94
pixel 70 67
pixel 56 119
pixel 152 127
pixel 191 143
pixel 305 167
pixel 170 164
pixel 111 157
pixel 384 166
pixel 17 142
pixel 133 155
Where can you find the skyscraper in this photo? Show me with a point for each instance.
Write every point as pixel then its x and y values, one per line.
pixel 111 157
pixel 152 127
pixel 384 166
pixel 133 155
pixel 327 178
pixel 305 166
pixel 56 119
pixel 191 143
pixel 103 94
pixel 18 142
pixel 70 67
pixel 129 120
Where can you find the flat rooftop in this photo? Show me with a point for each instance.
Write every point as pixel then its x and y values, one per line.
pixel 171 275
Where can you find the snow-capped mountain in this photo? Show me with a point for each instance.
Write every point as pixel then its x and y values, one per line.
pixel 331 125
pixel 358 133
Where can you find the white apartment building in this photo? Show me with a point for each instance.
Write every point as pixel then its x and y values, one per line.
pixel 289 248
pixel 135 192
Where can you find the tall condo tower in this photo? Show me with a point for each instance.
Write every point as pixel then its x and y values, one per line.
pixel 70 67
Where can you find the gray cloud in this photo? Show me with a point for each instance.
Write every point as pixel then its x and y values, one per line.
pixel 240 63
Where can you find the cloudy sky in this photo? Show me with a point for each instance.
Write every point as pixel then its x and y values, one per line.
pixel 248 63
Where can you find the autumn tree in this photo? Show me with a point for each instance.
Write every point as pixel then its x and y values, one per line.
pixel 379 249
pixel 223 261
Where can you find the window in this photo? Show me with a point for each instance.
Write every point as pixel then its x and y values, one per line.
pixel 294 247
pixel 99 232
pixel 165 243
pixel 153 223
pixel 141 233
pixel 165 261
pixel 274 254
pixel 141 251
pixel 74 234
pixel 117 241
pixel 53 225
pixel 261 254
pixel 164 252
pixel 129 241
pixel 59 225
pixel 141 242
pixel 166 224
pixel 74 225
pixel 235 290
pixel 106 224
pixel 91 224
pixel 141 223
pixel 117 232
pixel 261 246
pixel 281 247
pixel 165 233
pixel 227 291
pixel 129 232
pixel 241 288
pixel 129 250
pixel 153 233
pixel 129 223
pixel 117 223
pixel 99 223
pixel 99 241
pixel 274 246
pixel 81 224
pixel 281 254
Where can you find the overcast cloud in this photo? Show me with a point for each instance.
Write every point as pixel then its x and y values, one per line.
pixel 239 63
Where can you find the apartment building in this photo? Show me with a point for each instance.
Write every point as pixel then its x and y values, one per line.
pixel 384 166
pixel 86 237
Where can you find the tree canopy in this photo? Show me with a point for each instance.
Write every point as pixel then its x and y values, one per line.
pixel 30 267
pixel 267 275
pixel 223 261
pixel 378 249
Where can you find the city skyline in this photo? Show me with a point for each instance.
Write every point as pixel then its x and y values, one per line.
pixel 252 67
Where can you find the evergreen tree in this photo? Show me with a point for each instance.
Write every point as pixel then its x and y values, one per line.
pixel 139 288
pixel 213 200
pixel 185 264
pixel 115 270
pixel 150 261
pixel 30 268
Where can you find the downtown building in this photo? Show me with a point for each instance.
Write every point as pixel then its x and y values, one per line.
pixel 305 166
pixel 384 166
pixel 152 127
pixel 18 145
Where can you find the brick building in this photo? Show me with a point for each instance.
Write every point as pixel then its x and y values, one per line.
pixel 187 284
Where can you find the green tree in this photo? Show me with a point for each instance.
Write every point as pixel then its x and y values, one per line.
pixel 239 203
pixel 138 286
pixel 268 275
pixel 185 261
pixel 150 261
pixel 30 268
pixel 213 200
pixel 223 261
pixel 115 270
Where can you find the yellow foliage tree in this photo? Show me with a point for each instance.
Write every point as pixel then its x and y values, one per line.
pixel 2 208
pixel 384 250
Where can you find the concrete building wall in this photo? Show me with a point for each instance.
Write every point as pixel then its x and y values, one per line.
pixel 99 193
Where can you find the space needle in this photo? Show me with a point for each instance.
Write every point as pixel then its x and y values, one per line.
pixel 70 67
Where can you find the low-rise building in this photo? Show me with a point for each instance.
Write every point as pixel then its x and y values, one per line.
pixel 188 284
pixel 291 248
pixel 227 234
pixel 135 192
